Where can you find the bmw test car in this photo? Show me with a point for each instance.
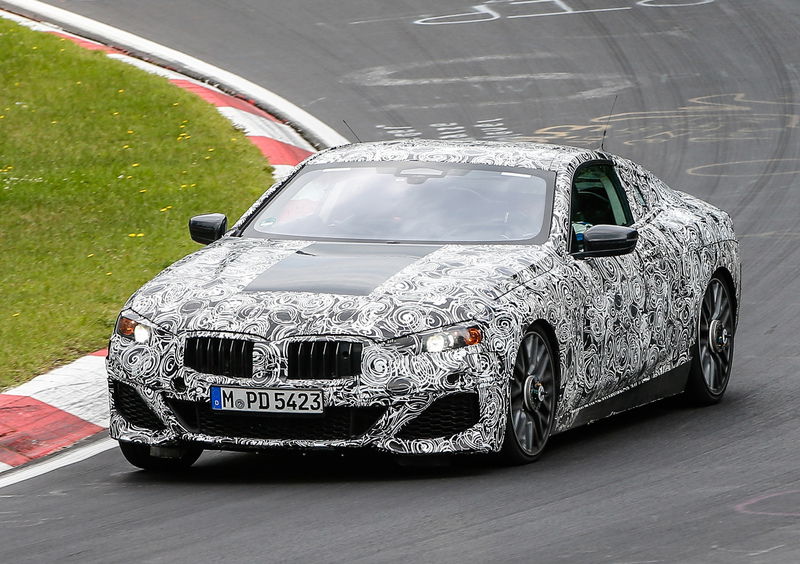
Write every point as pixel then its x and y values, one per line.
pixel 428 297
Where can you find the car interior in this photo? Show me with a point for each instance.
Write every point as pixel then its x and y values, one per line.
pixel 597 199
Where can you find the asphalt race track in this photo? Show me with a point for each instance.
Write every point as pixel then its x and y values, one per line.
pixel 707 99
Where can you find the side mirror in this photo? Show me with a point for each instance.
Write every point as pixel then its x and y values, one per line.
pixel 207 228
pixel 608 241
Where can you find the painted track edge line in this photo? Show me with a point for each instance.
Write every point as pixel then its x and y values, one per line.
pixel 72 456
pixel 317 132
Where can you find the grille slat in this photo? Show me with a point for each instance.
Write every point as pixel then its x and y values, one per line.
pixel 205 358
pixel 295 358
pixel 188 356
pixel 328 359
pixel 315 356
pixel 355 364
pixel 323 360
pixel 343 359
pixel 336 362
pixel 223 357
pixel 233 361
pixel 338 423
pixel 304 364
pixel 221 350
pixel 445 417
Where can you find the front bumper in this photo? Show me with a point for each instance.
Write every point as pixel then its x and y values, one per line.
pixel 449 402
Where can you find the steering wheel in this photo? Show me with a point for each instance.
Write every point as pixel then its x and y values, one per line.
pixel 593 208
pixel 603 200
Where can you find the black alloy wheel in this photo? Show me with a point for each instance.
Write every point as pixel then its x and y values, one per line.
pixel 534 395
pixel 712 356
pixel 139 456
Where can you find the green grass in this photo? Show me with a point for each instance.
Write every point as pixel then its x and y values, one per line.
pixel 101 165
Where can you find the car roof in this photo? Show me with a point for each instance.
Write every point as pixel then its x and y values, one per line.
pixel 522 154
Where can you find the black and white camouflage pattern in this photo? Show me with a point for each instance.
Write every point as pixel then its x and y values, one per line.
pixel 618 321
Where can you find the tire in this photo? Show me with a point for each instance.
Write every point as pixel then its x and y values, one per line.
pixel 712 352
pixel 139 456
pixel 533 399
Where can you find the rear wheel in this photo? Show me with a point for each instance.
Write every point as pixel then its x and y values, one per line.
pixel 713 350
pixel 534 395
pixel 180 459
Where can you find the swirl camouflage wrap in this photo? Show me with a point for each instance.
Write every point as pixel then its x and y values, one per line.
pixel 236 314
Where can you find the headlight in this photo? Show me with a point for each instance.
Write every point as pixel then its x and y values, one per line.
pixel 440 340
pixel 133 329
pixel 454 338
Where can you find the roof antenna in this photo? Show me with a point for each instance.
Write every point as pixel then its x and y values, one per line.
pixel 605 128
pixel 356 136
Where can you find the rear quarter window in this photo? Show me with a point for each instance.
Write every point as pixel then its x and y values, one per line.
pixel 639 184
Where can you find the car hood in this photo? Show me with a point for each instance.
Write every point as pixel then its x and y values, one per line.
pixel 279 289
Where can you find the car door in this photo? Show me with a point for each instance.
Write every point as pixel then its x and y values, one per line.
pixel 661 252
pixel 616 331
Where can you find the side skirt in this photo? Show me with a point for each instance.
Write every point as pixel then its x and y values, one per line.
pixel 670 383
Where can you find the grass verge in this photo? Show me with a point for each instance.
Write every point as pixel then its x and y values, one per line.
pixel 101 165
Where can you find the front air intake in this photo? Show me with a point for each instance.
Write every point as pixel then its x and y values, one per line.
pixel 445 417
pixel 130 405
pixel 337 423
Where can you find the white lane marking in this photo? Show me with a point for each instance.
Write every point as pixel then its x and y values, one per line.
pixel 320 132
pixel 484 13
pixel 760 552
pixel 4 467
pixel 569 12
pixel 378 20
pixel 662 4
pixel 59 461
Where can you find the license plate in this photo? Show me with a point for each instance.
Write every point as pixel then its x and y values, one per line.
pixel 259 400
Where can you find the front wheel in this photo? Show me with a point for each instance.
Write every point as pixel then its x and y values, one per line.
pixel 712 354
pixel 534 395
pixel 139 456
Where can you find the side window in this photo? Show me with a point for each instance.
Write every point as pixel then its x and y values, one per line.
pixel 638 185
pixel 597 198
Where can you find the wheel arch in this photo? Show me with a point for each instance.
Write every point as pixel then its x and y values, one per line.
pixel 727 278
pixel 550 332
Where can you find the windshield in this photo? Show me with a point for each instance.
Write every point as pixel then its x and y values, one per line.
pixel 409 202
